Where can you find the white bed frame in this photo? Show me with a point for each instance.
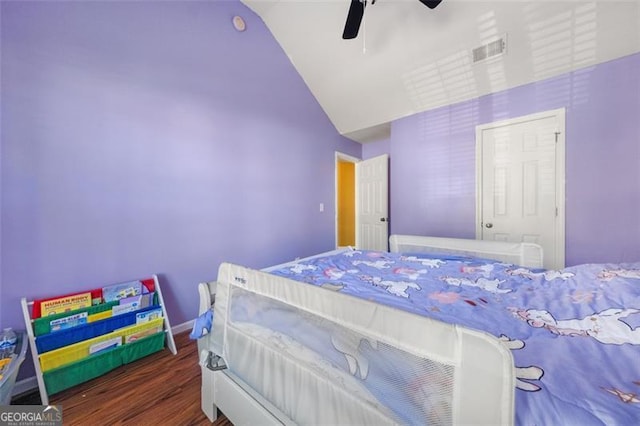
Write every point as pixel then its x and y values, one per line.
pixel 485 387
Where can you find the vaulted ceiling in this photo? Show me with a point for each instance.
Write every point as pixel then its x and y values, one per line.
pixel 408 58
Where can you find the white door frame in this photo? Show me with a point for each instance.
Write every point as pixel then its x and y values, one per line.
pixel 339 156
pixel 560 173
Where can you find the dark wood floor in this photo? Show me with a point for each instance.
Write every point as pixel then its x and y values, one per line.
pixel 160 389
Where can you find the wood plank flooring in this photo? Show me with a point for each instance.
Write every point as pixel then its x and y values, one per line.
pixel 160 389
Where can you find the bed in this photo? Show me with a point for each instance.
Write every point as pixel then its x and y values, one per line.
pixel 436 331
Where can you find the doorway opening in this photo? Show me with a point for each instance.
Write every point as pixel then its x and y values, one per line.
pixel 362 202
pixel 345 200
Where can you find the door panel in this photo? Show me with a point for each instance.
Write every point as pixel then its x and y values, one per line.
pixel 372 206
pixel 518 184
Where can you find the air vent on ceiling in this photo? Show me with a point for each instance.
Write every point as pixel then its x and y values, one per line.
pixel 490 50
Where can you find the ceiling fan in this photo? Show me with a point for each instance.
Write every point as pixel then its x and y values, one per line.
pixel 356 12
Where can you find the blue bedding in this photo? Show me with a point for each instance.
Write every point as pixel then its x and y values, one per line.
pixel 574 333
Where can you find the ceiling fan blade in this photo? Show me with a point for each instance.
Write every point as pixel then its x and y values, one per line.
pixel 354 18
pixel 431 4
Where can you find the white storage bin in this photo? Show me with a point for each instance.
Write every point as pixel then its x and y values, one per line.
pixel 10 373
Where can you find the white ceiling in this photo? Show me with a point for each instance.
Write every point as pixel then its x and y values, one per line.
pixel 408 58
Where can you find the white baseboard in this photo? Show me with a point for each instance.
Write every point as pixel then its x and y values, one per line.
pixel 31 383
pixel 185 326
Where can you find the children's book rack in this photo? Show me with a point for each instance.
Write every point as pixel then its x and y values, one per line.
pixel 78 337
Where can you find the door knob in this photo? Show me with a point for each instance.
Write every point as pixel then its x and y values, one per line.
pixel 383 219
pixel 489 225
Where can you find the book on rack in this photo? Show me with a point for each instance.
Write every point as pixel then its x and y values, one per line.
pixel 129 338
pixel 104 345
pixel 121 291
pixel 69 322
pixel 134 303
pixel 65 304
pixel 147 316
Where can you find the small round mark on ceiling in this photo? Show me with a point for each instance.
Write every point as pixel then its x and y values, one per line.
pixel 238 23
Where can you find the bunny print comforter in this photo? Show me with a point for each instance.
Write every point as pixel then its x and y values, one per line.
pixel 574 333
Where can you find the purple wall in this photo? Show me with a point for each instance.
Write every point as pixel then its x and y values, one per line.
pixel 374 149
pixel 433 160
pixel 151 137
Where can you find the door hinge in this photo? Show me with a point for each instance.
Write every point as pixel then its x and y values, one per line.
pixel 556 212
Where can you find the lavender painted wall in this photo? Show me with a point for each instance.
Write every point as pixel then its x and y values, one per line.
pixel 374 149
pixel 151 137
pixel 433 160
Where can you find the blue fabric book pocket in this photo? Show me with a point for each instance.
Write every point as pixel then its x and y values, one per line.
pixel 58 339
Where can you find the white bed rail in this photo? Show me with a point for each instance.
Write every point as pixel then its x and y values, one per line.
pixel 484 378
pixel 221 387
pixel 529 255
